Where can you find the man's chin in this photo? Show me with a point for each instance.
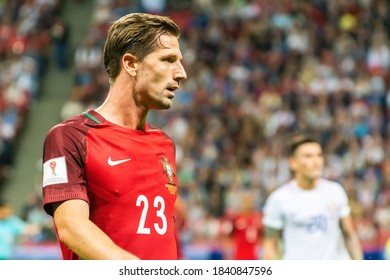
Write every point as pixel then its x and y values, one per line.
pixel 315 176
pixel 163 106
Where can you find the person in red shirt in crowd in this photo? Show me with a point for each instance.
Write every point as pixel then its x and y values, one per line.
pixel 244 228
pixel 109 177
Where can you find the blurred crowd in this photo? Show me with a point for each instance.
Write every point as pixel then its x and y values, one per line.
pixel 27 32
pixel 258 71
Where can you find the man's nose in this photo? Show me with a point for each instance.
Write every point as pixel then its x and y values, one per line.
pixel 180 73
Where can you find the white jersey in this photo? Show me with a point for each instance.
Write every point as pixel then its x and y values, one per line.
pixel 309 219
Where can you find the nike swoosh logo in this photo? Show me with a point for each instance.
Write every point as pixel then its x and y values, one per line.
pixel 116 162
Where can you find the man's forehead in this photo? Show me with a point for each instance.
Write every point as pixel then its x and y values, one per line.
pixel 167 41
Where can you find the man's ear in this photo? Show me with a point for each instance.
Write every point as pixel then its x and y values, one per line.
pixel 292 163
pixel 129 64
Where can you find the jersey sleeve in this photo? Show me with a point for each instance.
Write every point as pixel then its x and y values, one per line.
pixel 63 166
pixel 272 212
pixel 345 209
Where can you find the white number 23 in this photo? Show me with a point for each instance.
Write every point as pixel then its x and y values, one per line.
pixel 159 204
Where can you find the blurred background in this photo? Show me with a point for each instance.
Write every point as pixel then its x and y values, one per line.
pixel 257 71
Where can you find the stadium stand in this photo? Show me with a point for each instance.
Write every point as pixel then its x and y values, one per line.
pixel 24 38
pixel 259 70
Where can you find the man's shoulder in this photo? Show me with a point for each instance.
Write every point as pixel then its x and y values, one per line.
pixel 153 128
pixel 287 186
pixel 159 132
pixel 329 184
pixel 282 191
pixel 68 126
pixel 331 188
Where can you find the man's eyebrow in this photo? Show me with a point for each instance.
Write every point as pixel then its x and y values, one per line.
pixel 172 55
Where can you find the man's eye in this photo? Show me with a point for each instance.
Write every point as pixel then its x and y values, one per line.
pixel 170 59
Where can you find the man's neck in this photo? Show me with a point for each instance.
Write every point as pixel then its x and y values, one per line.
pixel 305 183
pixel 121 111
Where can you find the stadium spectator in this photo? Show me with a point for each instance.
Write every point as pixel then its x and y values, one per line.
pixel 12 230
pixel 59 33
pixel 244 228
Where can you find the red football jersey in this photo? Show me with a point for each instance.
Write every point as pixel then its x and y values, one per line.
pixel 246 232
pixel 127 176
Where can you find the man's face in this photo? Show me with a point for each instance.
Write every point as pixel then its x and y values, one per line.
pixel 308 161
pixel 159 74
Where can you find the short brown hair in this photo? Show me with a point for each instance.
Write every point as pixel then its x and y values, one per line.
pixel 298 140
pixel 137 34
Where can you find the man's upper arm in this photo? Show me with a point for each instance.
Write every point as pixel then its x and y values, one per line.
pixel 63 166
pixel 273 225
pixel 68 209
pixel 271 243
pixel 351 238
pixel 273 212
pixel 347 226
pixel 69 215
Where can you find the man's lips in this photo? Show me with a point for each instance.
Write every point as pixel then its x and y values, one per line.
pixel 171 90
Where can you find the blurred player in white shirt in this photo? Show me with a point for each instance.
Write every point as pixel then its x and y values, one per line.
pixel 309 214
